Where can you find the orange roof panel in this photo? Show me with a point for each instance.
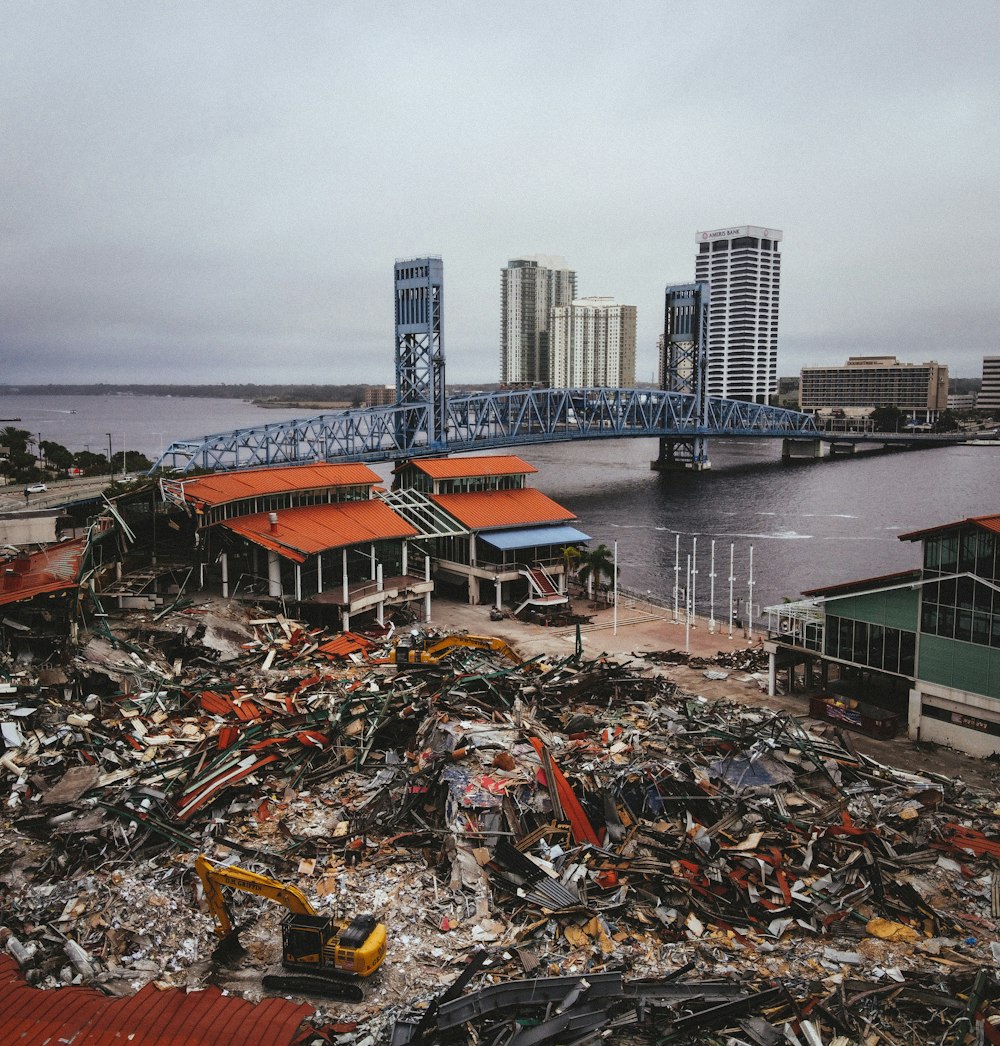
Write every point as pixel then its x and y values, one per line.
pixel 52 570
pixel 990 523
pixel 307 529
pixel 247 483
pixel 494 509
pixel 484 465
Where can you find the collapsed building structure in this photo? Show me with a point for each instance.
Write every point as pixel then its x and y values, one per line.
pixel 561 848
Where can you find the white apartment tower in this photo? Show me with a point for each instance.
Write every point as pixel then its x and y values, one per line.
pixel 742 265
pixel 532 286
pixel 593 344
pixel 989 394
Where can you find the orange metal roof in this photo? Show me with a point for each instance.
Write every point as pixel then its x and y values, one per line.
pixel 50 571
pixel 307 529
pixel 247 483
pixel 173 1017
pixel 990 523
pixel 460 468
pixel 493 509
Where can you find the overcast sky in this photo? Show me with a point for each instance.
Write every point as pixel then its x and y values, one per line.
pixel 214 191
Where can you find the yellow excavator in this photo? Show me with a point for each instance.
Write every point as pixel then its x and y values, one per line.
pixel 414 649
pixel 328 955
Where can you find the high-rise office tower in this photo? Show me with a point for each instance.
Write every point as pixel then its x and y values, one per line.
pixel 593 344
pixel 989 394
pixel 532 287
pixel 742 265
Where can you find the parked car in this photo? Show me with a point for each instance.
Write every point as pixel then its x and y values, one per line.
pixel 35 488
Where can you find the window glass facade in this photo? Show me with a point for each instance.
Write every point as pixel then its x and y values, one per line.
pixel 875 646
pixel 962 608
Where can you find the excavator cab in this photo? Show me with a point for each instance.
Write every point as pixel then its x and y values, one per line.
pixel 314 941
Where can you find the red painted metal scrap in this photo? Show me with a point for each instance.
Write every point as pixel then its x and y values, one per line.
pixel 958 837
pixel 172 1017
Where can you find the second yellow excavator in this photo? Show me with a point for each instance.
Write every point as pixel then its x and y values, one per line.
pixel 333 952
pixel 415 648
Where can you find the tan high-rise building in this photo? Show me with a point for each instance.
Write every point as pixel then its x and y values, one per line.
pixel 593 344
pixel 532 286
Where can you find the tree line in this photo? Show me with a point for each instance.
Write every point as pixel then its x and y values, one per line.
pixel 24 459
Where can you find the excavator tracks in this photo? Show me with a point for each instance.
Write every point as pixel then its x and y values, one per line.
pixel 314 984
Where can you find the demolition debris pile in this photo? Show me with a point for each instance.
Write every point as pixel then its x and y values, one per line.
pixel 574 846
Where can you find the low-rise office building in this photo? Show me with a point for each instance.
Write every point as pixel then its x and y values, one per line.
pixel 867 382
pixel 925 641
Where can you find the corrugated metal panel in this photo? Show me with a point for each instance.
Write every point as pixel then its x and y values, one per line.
pixel 529 537
pixel 990 523
pixel 232 486
pixel 308 529
pixel 51 570
pixel 496 509
pixel 154 1018
pixel 461 468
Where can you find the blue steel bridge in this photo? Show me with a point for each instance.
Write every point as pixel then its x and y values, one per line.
pixel 487 421
pixel 425 421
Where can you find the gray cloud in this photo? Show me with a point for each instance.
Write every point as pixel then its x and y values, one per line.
pixel 201 192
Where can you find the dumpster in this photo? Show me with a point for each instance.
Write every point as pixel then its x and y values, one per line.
pixel 858 715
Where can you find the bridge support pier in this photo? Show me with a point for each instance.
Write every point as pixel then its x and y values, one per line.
pixel 843 450
pixel 802 449
pixel 682 455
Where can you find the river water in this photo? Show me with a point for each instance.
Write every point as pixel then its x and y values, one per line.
pixel 808 524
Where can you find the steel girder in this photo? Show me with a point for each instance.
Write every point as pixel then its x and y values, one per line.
pixel 483 421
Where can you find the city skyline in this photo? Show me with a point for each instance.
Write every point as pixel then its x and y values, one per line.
pixel 195 192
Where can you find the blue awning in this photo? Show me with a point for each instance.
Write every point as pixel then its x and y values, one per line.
pixel 529 537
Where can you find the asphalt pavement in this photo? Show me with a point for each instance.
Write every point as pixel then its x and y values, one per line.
pixel 61 492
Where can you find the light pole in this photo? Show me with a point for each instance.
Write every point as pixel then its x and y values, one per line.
pixel 111 460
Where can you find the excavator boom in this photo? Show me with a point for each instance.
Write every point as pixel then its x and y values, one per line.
pixel 215 877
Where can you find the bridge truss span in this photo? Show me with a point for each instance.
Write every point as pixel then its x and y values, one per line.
pixel 482 421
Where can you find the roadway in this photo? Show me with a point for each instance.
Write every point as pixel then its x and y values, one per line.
pixel 61 492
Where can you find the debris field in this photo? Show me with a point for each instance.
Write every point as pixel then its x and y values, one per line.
pixel 563 851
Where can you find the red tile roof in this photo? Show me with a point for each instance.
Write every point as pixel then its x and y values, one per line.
pixel 247 483
pixel 307 529
pixel 49 572
pixel 173 1017
pixel 484 465
pixel 990 523
pixel 494 509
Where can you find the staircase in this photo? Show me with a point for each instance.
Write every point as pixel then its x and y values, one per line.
pixel 542 589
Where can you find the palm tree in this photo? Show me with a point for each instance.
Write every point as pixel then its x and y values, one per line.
pixel 570 557
pixel 597 563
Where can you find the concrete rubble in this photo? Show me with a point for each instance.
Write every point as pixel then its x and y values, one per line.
pixel 562 850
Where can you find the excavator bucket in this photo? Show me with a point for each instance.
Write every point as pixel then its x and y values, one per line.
pixel 229 949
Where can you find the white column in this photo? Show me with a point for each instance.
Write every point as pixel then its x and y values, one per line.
pixel 319 573
pixel 749 632
pixel 694 582
pixel 406 557
pixel 772 673
pixel 225 575
pixel 499 593
pixel 379 582
pixel 347 620
pixel 298 582
pixel 273 575
pixel 677 578
pixel 427 595
pixel 711 596
pixel 347 591
pixel 372 555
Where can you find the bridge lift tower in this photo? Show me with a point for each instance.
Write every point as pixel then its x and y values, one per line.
pixel 420 382
pixel 684 368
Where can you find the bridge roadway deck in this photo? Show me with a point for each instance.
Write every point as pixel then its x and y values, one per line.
pixel 509 419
